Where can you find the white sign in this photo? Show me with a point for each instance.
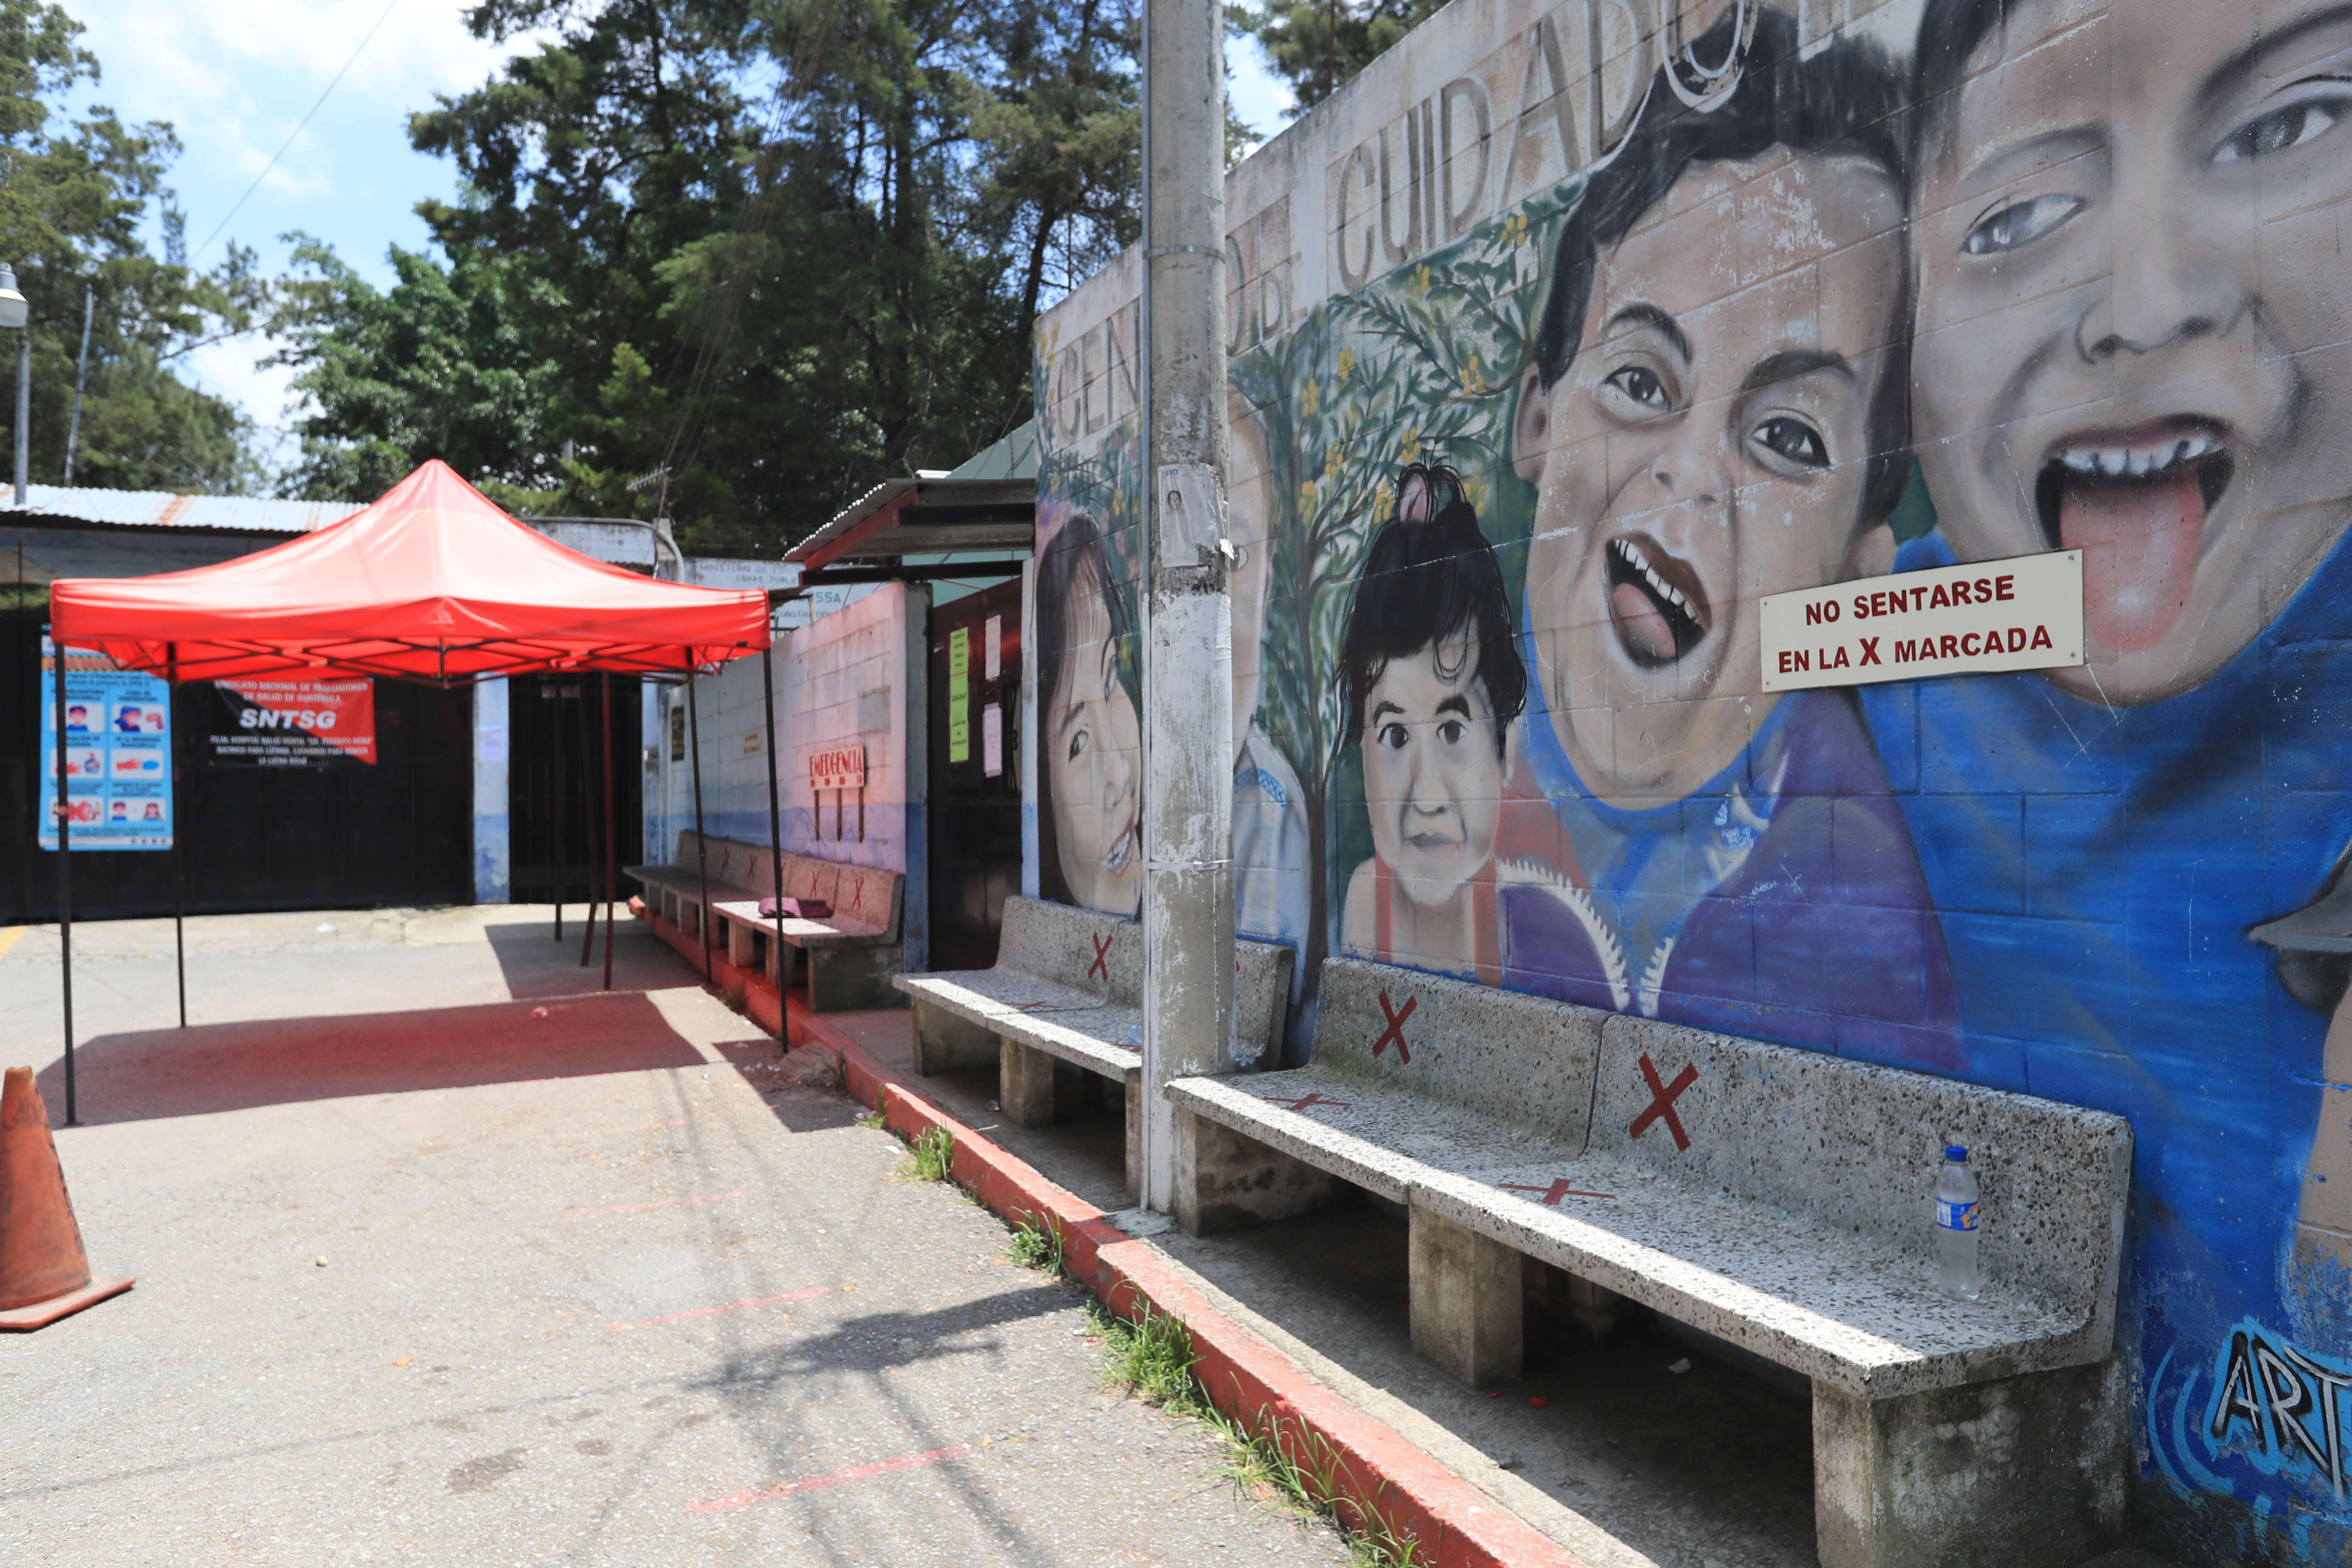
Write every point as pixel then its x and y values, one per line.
pixel 2021 614
pixel 992 740
pixel 844 767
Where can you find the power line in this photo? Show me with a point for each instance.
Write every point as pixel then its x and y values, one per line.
pixel 297 129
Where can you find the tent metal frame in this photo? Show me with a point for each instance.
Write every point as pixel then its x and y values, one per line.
pixel 176 673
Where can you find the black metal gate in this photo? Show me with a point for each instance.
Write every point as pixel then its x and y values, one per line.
pixel 399 832
pixel 555 784
pixel 975 817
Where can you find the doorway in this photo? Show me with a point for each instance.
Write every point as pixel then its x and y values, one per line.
pixel 555 785
pixel 973 736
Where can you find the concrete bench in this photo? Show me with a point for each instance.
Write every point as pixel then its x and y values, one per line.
pixel 847 958
pixel 1068 986
pixel 1780 1200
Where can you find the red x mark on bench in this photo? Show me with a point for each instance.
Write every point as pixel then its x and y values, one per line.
pixel 1662 1103
pixel 1559 1189
pixel 1394 1033
pixel 1302 1102
pixel 1101 965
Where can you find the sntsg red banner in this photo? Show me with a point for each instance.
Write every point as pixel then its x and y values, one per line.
pixel 293 721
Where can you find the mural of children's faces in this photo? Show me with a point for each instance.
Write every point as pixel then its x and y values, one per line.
pixel 1705 447
pixel 2131 308
pixel 1432 770
pixel 1091 744
pixel 1250 522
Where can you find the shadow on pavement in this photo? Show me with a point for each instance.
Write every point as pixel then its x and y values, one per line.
pixel 276 1061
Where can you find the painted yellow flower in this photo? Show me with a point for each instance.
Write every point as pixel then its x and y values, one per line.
pixel 1307 498
pixel 1410 448
pixel 1472 380
pixel 1309 396
pixel 1331 464
pixel 1421 279
pixel 1514 230
pixel 1346 362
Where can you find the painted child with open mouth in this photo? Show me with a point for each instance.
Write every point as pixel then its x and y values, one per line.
pixel 2131 342
pixel 1714 413
pixel 1433 682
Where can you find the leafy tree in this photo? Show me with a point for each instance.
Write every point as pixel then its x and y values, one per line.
pixel 730 261
pixel 72 197
pixel 1317 44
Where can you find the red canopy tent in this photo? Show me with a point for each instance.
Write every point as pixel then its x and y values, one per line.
pixel 433 583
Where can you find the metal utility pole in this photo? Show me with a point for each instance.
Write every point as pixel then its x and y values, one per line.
pixel 1187 742
pixel 14 312
pixel 81 376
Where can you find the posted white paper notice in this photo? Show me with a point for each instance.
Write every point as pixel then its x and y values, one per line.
pixel 2025 612
pixel 991 739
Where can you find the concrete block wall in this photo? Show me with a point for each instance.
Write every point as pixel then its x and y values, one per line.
pixel 2120 884
pixel 854 676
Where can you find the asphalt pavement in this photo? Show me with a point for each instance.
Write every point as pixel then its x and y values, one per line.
pixel 444 1259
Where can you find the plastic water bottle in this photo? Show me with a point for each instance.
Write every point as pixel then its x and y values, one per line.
pixel 1957 1211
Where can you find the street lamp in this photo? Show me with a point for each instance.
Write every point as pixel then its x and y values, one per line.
pixel 14 312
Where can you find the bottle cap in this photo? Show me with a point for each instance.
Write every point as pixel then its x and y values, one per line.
pixel 1958 1152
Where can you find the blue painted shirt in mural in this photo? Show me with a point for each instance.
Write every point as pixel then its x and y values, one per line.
pixel 1273 862
pixel 1782 901
pixel 2097 870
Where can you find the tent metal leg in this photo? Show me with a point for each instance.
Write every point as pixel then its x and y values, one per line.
pixel 555 781
pixel 179 859
pixel 611 847
pixel 65 879
pixel 180 920
pixel 588 801
pixel 702 842
pixel 775 838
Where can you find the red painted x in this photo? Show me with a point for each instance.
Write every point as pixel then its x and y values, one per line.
pixel 1394 1033
pixel 1662 1103
pixel 1302 1102
pixel 1558 1190
pixel 1101 965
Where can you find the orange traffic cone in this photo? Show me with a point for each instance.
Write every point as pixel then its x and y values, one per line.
pixel 44 1274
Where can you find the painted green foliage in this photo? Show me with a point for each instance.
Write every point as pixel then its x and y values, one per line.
pixel 1419 366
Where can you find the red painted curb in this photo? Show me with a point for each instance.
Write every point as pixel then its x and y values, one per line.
pixel 1370 1468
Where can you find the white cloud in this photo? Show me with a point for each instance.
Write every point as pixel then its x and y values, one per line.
pixel 1260 99
pixel 233 369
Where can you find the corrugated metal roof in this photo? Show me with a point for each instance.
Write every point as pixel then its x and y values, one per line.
pixel 163 508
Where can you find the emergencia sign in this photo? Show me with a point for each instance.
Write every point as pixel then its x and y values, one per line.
pixel 2025 612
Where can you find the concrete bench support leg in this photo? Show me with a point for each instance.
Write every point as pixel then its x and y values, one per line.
pixel 843 979
pixel 942 1041
pixel 1135 1140
pixel 740 951
pixel 1025 1083
pixel 1466 1306
pixel 2025 1470
pixel 1225 1181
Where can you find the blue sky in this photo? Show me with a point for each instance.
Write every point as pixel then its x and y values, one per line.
pixel 235 80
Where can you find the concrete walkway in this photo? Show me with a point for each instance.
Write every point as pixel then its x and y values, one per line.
pixel 426 1276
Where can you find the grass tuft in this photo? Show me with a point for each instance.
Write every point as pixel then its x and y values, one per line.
pixel 1037 1244
pixel 1151 1356
pixel 1281 1465
pixel 930 1156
